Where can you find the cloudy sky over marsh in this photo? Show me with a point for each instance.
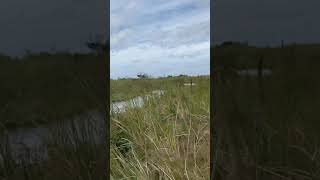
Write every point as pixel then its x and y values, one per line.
pixel 159 37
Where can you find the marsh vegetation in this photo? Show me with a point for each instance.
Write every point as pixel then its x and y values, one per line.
pixel 266 127
pixel 166 138
pixel 52 116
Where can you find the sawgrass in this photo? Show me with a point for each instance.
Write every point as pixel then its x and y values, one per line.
pixel 168 138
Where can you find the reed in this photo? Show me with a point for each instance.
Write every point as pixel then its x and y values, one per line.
pixel 267 126
pixel 168 138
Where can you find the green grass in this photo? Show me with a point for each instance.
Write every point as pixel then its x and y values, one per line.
pixel 123 89
pixel 168 138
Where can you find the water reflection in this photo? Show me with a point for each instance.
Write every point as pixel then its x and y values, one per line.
pixel 119 107
pixel 31 144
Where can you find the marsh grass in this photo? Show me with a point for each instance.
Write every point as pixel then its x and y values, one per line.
pixel 75 151
pixel 42 88
pixel 124 89
pixel 52 89
pixel 268 127
pixel 168 138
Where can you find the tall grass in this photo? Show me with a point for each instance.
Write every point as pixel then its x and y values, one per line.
pixel 168 138
pixel 123 89
pixel 75 151
pixel 51 89
pixel 42 88
pixel 267 127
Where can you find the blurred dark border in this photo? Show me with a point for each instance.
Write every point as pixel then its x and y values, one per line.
pixel 212 94
pixel 107 98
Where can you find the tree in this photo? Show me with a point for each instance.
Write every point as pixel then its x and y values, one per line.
pixel 98 45
pixel 143 75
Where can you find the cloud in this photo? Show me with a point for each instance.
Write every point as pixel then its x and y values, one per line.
pixel 161 33
pixel 155 60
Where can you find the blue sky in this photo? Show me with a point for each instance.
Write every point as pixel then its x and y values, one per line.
pixel 160 37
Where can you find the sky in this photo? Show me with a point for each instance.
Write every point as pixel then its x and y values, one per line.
pixel 159 37
pixel 44 25
pixel 266 22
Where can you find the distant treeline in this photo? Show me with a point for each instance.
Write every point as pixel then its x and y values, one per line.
pixel 38 88
pixel 146 76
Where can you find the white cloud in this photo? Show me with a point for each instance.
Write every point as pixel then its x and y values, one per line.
pixel 159 34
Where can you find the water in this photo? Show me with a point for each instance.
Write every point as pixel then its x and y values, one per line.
pixel 30 144
pixel 118 107
pixel 189 84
